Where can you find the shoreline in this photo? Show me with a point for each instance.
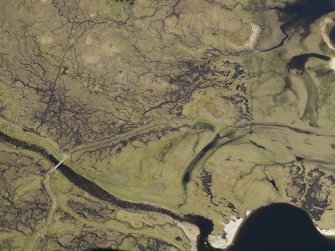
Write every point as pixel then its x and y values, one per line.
pixel 230 230
pixel 327 232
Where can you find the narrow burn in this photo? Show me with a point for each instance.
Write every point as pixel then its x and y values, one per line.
pixel 332 34
pixel 186 178
pixel 273 183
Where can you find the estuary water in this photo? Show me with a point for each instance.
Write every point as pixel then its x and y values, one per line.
pixel 280 227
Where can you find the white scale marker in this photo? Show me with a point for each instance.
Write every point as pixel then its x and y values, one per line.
pixel 61 162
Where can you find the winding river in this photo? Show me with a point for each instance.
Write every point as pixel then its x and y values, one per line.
pixel 205 225
pixel 264 229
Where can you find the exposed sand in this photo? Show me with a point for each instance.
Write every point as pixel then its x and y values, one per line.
pixel 230 229
pixel 251 42
pixel 327 232
pixel 255 31
pixel 324 31
pixel 332 64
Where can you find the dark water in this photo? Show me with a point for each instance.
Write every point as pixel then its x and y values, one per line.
pixel 332 35
pixel 24 145
pixel 301 14
pixel 206 227
pixel 298 62
pixel 280 227
pixel 307 11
